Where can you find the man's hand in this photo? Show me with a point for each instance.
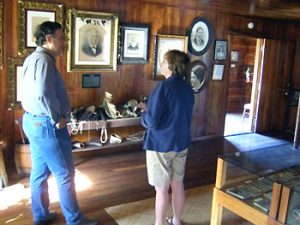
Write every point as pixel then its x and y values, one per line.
pixel 61 123
pixel 142 106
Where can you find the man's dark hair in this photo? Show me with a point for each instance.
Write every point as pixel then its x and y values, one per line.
pixel 44 29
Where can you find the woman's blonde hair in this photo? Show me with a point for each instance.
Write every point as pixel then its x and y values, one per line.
pixel 178 62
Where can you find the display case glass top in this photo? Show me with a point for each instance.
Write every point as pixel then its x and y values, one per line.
pixel 266 161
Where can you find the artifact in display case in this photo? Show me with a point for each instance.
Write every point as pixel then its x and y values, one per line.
pixel 293 216
pixel 263 202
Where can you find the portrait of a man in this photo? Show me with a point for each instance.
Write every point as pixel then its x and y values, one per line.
pixel 198 39
pixel 91 45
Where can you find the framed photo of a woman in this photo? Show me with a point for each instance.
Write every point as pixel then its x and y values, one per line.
pixel 93 40
pixel 164 43
pixel 200 36
pixel 220 50
pixel 198 74
pixel 31 14
pixel 135 43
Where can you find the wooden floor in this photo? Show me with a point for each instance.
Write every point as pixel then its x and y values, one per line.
pixel 121 177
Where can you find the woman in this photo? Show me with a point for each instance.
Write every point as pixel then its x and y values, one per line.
pixel 167 119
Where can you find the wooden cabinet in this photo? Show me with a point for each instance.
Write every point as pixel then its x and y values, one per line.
pixel 235 170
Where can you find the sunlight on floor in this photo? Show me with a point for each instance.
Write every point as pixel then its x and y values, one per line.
pixel 234 124
pixel 18 194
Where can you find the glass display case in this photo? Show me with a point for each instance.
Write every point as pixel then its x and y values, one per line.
pixel 250 184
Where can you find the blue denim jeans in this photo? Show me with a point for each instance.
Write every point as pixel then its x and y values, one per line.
pixel 51 152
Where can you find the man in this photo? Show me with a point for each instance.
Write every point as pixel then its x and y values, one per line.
pixel 91 46
pixel 167 119
pixel 46 104
pixel 198 39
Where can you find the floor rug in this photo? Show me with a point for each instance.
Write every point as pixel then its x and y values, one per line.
pixel 197 210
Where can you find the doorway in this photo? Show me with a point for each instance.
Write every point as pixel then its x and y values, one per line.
pixel 243 85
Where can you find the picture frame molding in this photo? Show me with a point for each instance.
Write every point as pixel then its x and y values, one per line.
pixel 138 27
pixel 158 38
pixel 13 63
pixel 112 65
pixel 208 28
pixel 1 35
pixel 23 6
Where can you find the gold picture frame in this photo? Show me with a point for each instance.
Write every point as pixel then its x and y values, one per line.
pixel 164 43
pixel 15 66
pixel 93 41
pixel 32 14
pixel 1 34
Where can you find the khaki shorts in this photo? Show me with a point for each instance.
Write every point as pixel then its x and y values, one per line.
pixel 164 167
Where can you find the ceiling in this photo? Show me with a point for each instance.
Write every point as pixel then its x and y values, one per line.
pixel 273 9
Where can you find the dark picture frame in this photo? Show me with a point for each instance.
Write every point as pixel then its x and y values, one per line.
pixel 164 43
pixel 93 41
pixel 198 75
pixel 220 50
pixel 135 39
pixel 200 36
pixel 31 14
pixel 91 80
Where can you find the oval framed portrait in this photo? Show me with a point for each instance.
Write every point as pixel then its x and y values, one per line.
pixel 199 36
pixel 198 75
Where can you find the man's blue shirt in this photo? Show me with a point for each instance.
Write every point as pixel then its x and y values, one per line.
pixel 43 91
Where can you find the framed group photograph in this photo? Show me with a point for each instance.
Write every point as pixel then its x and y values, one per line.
pixel 220 50
pixel 93 39
pixel 15 82
pixel 198 74
pixel 200 36
pixel 163 44
pixel 32 14
pixel 135 40
pixel 218 71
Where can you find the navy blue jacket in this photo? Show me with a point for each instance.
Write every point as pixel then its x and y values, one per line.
pixel 168 116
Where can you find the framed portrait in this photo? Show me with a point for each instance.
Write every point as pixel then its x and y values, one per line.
pixel 32 14
pixel 15 82
pixel 218 71
pixel 93 38
pixel 135 43
pixel 163 44
pixel 198 74
pixel 234 56
pixel 220 50
pixel 200 36
pixel 1 29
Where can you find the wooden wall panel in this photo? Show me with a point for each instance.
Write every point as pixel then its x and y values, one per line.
pixel 130 81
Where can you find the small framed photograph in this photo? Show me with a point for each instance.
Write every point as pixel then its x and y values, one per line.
pixel 220 50
pixel 234 56
pixel 198 74
pixel 15 82
pixel 93 38
pixel 32 14
pixel 163 44
pixel 200 36
pixel 135 43
pixel 218 71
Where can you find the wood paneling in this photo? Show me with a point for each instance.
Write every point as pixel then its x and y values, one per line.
pixel 130 81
